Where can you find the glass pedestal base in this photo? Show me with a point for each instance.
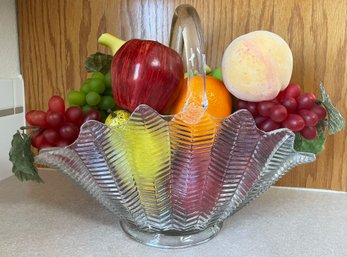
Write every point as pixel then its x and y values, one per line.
pixel 170 239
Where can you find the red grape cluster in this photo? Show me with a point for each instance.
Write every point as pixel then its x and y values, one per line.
pixel 57 126
pixel 291 109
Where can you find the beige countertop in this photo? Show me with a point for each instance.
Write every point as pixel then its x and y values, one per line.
pixel 58 219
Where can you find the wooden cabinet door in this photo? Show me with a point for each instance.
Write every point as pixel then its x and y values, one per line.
pixel 57 35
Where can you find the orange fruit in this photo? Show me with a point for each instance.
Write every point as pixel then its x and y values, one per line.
pixel 219 98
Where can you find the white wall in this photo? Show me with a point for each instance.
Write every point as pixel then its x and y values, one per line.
pixel 9 56
pixel 11 83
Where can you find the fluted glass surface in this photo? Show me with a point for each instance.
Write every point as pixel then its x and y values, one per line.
pixel 164 175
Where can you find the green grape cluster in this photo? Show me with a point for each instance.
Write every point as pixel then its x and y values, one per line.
pixel 95 94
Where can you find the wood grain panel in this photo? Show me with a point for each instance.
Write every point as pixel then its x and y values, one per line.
pixel 57 35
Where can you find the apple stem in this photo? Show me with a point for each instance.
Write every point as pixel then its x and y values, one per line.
pixel 112 113
pixel 111 41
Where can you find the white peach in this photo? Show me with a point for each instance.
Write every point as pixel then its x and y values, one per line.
pixel 257 66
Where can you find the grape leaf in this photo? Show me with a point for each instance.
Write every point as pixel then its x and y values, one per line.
pixel 22 158
pixel 335 120
pixel 334 123
pixel 311 146
pixel 98 62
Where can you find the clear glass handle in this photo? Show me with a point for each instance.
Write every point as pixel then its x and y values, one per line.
pixel 186 38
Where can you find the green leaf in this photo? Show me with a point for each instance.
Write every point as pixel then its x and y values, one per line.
pixel 311 146
pixel 217 73
pixel 98 62
pixel 335 120
pixel 22 158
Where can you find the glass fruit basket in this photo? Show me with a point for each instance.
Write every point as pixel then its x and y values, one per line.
pixel 172 180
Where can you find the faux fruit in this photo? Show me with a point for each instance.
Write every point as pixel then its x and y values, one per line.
pixel 219 99
pixel 292 109
pixel 111 41
pixel 189 140
pixel 117 118
pixel 146 72
pixel 141 153
pixel 95 94
pixel 57 126
pixel 141 146
pixel 257 66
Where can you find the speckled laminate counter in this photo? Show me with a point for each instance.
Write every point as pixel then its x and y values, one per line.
pixel 58 219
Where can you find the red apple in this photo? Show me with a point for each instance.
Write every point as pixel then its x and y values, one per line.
pixel 146 72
